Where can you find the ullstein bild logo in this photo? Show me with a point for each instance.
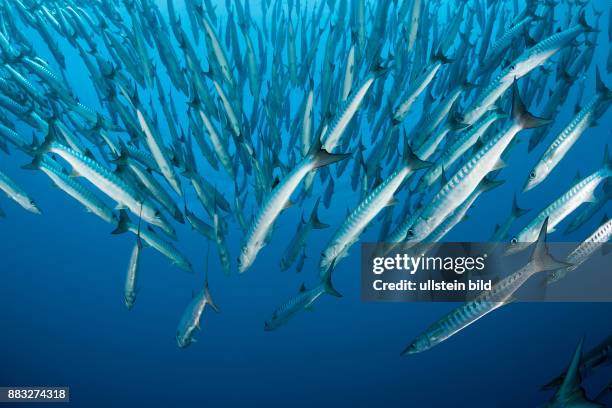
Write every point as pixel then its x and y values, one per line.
pixel 463 271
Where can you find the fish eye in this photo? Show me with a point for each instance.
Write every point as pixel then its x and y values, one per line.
pixel 410 233
pixel 513 240
pixel 532 175
pixel 512 67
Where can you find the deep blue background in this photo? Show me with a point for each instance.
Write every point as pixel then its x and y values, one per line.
pixel 63 322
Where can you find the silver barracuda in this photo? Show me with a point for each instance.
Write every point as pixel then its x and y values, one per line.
pixel 192 316
pixel 131 279
pixel 570 393
pixel 568 137
pixel 335 130
pixel 529 60
pixel 17 194
pixel 360 217
pixel 73 187
pixel 218 51
pixel 417 87
pixel 558 210
pixel 160 155
pixel 578 256
pixel 457 148
pixel 105 180
pixel 299 240
pixel 488 301
pixel 302 301
pixel 155 241
pixel 277 200
pixel 467 178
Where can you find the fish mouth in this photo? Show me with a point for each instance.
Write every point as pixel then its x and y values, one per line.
pixel 411 349
pixel 529 184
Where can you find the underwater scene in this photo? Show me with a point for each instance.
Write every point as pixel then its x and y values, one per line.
pixel 189 187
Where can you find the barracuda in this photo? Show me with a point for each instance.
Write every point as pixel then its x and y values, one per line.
pixel 335 130
pixel 160 155
pixel 569 136
pixel 579 193
pixel 488 301
pixel 360 217
pixel 152 239
pixel 17 194
pixel 467 178
pixel 349 73
pixel 456 149
pixel 299 240
pixel 584 250
pixel 218 145
pixel 277 200
pixel 543 50
pixel 106 181
pixel 303 301
pixel 570 393
pixel 73 188
pixel 417 87
pixel 529 60
pixel 218 51
pixel 131 278
pixel 190 321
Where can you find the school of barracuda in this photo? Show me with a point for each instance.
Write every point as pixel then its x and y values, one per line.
pixel 363 70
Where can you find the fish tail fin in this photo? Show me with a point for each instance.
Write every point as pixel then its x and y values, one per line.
pixel 50 137
pixel 572 379
pixel 552 384
pixel 520 115
pixel 540 256
pixel 411 160
pixel 327 282
pixel 455 119
pixel 123 225
pixel 314 217
pixel 380 68
pixel 323 158
pixel 607 162
pixel 439 56
pixel 488 184
pixel 585 24
pixel 601 87
pixel 209 299
pixel 35 164
pixel 517 211
pixel 207 294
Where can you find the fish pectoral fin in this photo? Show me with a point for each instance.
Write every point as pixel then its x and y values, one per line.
pixel 590 198
pixel 288 204
pixel 393 201
pixel 500 164
pixel 74 173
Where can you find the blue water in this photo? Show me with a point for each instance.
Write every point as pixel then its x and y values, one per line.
pixel 63 321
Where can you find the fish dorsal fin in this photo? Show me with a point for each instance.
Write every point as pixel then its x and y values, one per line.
pixel 314 217
pixel 571 381
pixel 540 257
pixel 517 211
pixel 276 182
pixel 302 288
